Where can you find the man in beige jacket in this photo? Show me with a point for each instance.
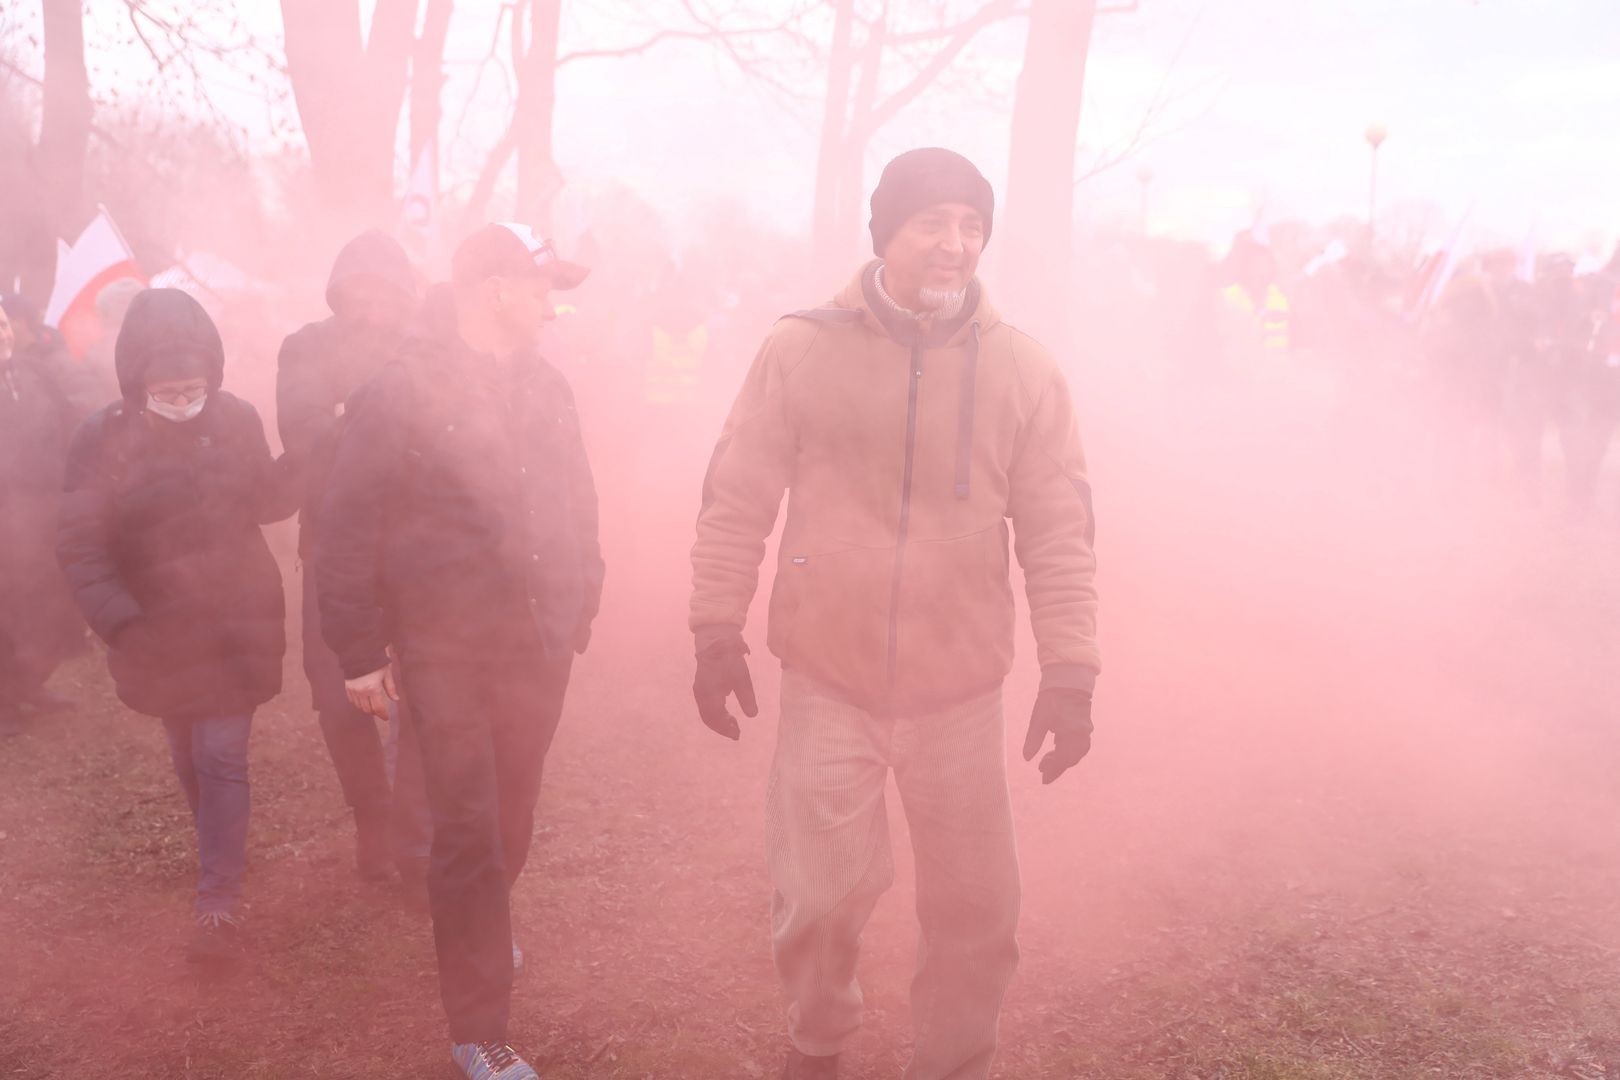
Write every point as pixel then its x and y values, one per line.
pixel 911 425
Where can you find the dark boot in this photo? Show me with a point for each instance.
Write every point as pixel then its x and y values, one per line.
pixel 216 940
pixel 804 1067
pixel 371 849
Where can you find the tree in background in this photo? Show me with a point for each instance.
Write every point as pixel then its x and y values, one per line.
pixel 44 180
pixel 921 41
pixel 533 31
pixel 51 185
pixel 350 87
pixel 1036 249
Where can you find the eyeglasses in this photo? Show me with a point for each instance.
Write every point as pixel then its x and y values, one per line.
pixel 183 395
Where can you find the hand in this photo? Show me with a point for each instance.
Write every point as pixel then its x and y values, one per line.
pixel 721 672
pixel 582 637
pixel 1066 715
pixel 373 693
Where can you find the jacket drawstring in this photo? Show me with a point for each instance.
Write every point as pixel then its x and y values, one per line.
pixel 964 418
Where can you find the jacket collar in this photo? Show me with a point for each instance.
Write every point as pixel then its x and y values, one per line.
pixel 859 295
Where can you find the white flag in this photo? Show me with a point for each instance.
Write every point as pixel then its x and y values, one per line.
pixel 97 257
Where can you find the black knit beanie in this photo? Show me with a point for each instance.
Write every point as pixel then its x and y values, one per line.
pixel 919 179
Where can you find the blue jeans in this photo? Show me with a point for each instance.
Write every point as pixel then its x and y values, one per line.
pixel 210 758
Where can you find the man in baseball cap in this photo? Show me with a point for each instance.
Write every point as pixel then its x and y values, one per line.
pixel 507 249
pixel 458 564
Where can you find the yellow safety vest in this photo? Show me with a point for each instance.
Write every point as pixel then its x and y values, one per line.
pixel 1270 319
pixel 675 371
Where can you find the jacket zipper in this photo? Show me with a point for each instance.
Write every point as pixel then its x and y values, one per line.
pixel 905 510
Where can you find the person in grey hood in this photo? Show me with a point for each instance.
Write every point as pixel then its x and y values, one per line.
pixel 372 295
pixel 160 541
pixel 39 409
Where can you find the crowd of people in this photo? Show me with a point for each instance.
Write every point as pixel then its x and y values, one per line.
pixel 450 534
pixel 450 538
pixel 1492 369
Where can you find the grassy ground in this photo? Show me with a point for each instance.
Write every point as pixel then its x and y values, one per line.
pixel 1306 848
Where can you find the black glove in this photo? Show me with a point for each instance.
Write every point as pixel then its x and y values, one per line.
pixel 1066 714
pixel 721 672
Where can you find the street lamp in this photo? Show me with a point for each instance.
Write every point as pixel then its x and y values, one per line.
pixel 1376 134
pixel 1144 176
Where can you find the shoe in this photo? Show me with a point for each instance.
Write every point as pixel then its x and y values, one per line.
pixel 371 856
pixel 804 1067
pixel 517 959
pixel 491 1061
pixel 216 939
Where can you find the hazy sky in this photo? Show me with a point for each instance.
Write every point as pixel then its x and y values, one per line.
pixel 1506 105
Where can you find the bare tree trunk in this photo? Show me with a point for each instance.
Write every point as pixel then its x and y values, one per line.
pixel 427 76
pixel 845 243
pixel 538 178
pixel 388 72
pixel 1037 223
pixel 349 95
pixel 64 135
pixel 830 165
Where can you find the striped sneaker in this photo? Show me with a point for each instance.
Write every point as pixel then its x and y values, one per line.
pixel 491 1061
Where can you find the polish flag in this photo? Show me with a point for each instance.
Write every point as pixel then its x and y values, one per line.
pixel 99 256
pixel 1437 274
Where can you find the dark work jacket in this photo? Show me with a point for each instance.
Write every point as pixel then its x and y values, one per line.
pixel 159 536
pixel 323 363
pixel 460 518
pixel 42 401
pixel 319 367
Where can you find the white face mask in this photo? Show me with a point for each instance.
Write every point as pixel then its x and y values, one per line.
pixel 179 414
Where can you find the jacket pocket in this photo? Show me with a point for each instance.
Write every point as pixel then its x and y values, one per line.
pixel 830 615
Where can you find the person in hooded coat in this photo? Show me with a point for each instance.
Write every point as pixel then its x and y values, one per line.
pixel 161 544
pixel 372 294
pixel 40 405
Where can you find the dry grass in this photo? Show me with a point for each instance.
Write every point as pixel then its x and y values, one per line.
pixel 1187 917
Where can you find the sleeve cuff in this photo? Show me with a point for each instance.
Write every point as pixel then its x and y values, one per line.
pixel 1069 677
pixel 704 636
pixel 369 662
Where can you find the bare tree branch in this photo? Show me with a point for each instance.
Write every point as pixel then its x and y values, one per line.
pixel 494 165
pixel 748 65
pixel 707 33
pixel 508 9
pixel 959 40
pixel 1143 135
pixel 27 76
pixel 941 33
pixel 427 76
